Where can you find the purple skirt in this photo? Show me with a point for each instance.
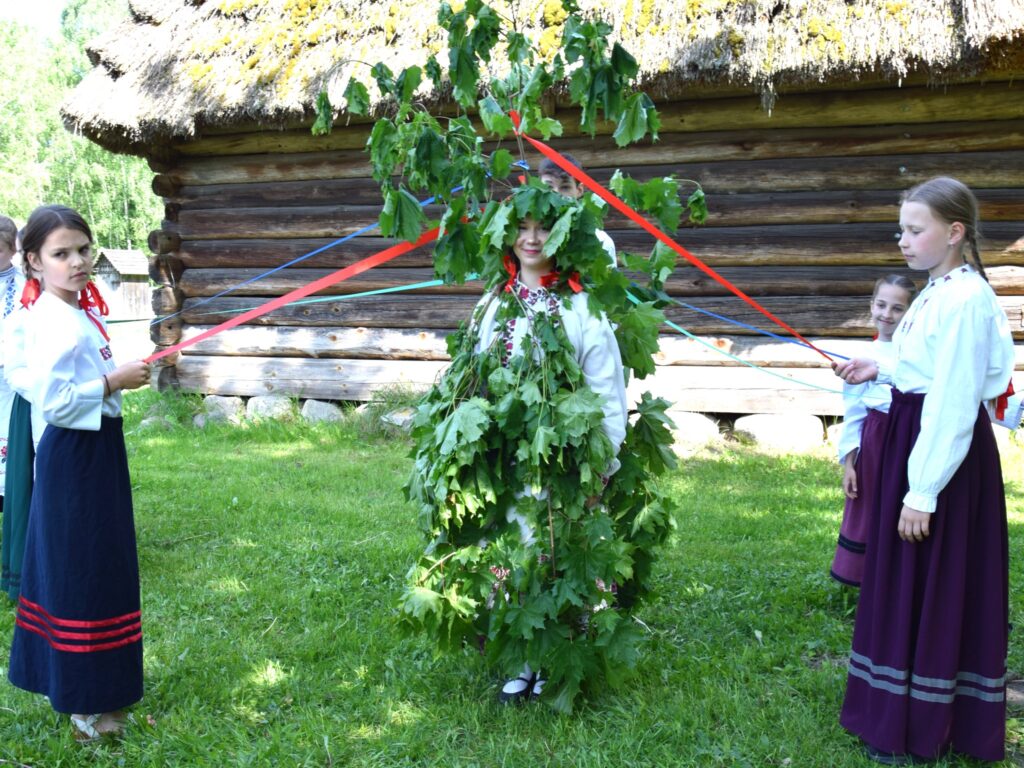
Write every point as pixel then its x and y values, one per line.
pixel 848 563
pixel 927 672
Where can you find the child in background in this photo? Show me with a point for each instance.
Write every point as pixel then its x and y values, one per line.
pixel 11 284
pixel 866 408
pixel 78 632
pixel 564 184
pixel 26 429
pixel 927 672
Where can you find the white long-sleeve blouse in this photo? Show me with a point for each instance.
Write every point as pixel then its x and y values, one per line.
pixel 858 399
pixel 68 357
pixel 593 341
pixel 954 345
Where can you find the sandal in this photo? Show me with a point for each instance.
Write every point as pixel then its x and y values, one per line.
pixel 99 726
pixel 517 695
pixel 85 727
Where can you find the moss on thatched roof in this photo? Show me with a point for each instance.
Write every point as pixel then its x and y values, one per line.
pixel 178 67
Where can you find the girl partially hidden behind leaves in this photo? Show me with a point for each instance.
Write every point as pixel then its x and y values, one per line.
pixel 538 498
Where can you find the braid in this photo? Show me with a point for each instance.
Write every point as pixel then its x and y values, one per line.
pixel 976 256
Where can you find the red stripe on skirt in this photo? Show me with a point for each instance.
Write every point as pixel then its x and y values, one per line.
pixel 31 617
pixel 79 648
pixel 51 619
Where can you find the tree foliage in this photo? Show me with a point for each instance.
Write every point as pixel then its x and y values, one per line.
pixel 526 432
pixel 42 161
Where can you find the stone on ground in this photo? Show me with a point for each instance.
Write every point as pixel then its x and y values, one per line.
pixel 315 411
pixel 693 431
pixel 401 418
pixel 276 407
pixel 220 408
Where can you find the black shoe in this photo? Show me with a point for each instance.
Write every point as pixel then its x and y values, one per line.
pixel 521 695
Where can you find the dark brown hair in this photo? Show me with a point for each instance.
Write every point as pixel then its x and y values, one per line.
pixel 900 281
pixel 951 201
pixel 548 166
pixel 8 232
pixel 47 218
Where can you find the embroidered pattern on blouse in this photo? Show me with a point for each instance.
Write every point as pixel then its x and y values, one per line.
pixel 10 289
pixel 536 300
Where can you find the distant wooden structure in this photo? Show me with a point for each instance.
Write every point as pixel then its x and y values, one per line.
pixel 123 276
pixel 802 125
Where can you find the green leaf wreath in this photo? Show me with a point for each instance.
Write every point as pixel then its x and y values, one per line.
pixel 494 433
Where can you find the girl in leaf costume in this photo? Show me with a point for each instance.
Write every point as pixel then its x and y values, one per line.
pixel 539 500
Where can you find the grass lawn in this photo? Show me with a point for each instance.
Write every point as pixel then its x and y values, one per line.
pixel 271 559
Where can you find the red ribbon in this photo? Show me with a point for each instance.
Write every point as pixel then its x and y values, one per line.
pixel 300 293
pixel 30 293
pixel 510 267
pixel 636 218
pixel 90 298
pixel 1003 401
pixel 552 277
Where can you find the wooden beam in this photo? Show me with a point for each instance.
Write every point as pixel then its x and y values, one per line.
pixel 782 245
pixel 756 281
pixel 969 135
pixel 838 316
pixel 711 389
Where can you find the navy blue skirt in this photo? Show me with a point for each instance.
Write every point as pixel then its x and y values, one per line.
pixel 928 669
pixel 78 631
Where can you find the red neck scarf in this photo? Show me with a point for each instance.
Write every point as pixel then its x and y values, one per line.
pixel 90 298
pixel 546 281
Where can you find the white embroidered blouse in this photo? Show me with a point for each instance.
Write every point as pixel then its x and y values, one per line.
pixel 954 345
pixel 592 338
pixel 68 361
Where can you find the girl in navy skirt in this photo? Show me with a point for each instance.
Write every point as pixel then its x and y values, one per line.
pixel 927 673
pixel 78 630
pixel 864 420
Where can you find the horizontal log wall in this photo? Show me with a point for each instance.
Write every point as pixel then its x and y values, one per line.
pixel 802 215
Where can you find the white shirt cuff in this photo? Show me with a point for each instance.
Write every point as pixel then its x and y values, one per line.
pixel 922 502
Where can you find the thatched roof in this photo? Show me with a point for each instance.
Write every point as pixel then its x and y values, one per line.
pixel 178 67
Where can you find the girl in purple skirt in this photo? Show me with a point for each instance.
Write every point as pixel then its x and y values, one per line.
pixel 866 410
pixel 78 629
pixel 927 674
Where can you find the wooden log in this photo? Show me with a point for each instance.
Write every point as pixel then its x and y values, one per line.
pixel 163 241
pixel 409 344
pixel 783 245
pixel 884 106
pixel 699 146
pixel 838 316
pixel 708 389
pixel 165 186
pixel 887 173
pixel 165 269
pixel 166 332
pixel 717 389
pixel 742 209
pixel 166 300
pixel 756 281
pixel 727 211
pixel 361 191
pixel 207 282
pixel 322 379
pixel 283 341
pixel 978 169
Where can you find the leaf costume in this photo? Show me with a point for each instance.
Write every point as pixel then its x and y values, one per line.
pixel 539 500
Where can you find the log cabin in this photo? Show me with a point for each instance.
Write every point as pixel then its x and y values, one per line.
pixel 802 120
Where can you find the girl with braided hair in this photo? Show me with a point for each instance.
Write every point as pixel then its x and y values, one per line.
pixel 927 673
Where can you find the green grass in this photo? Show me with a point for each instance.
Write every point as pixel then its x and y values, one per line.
pixel 271 558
